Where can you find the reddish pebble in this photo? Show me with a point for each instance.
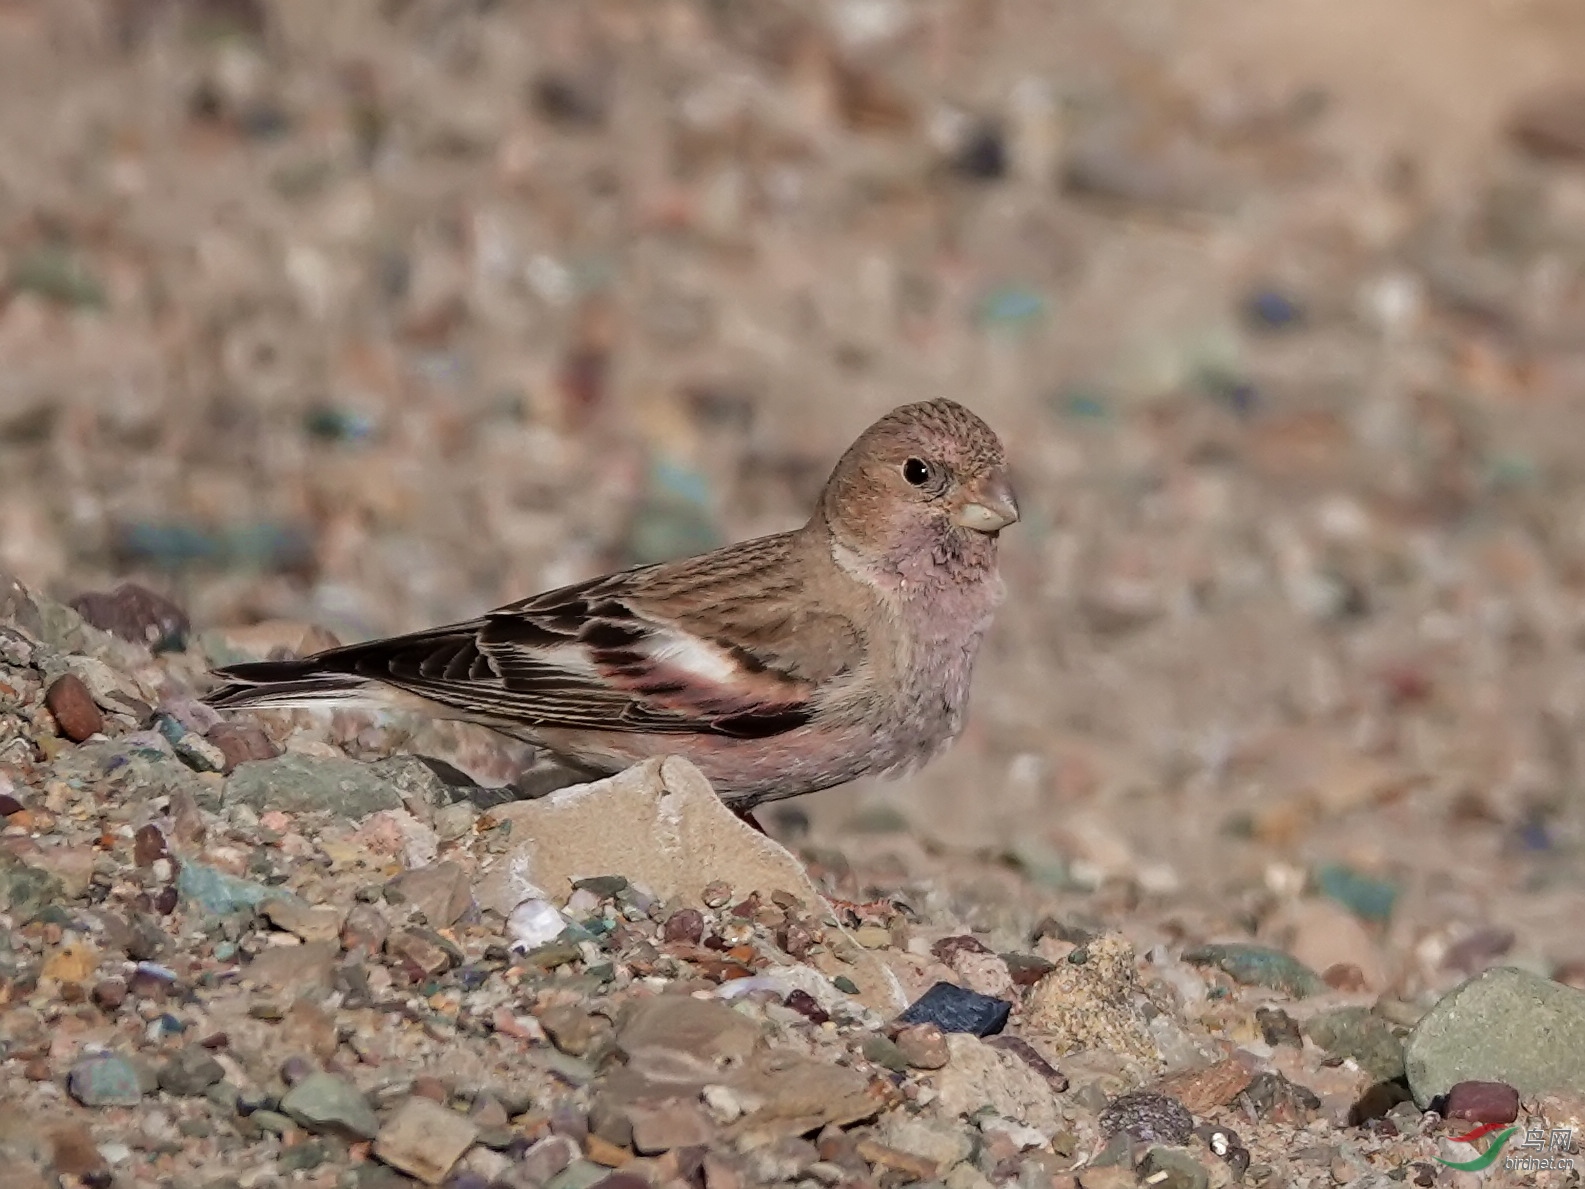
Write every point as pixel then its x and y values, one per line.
pixel 684 925
pixel 110 993
pixel 805 1005
pixel 1482 1102
pixel 148 844
pixel 136 613
pixel 73 708
pixel 923 1046
pixel 949 948
pixel 716 893
pixel 9 805
pixel 241 742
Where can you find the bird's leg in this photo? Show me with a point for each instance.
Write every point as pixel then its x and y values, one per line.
pixel 746 815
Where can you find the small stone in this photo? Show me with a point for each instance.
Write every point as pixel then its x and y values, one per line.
pixel 73 963
pixel 73 708
pixel 1274 1098
pixel 105 1080
pixel 1203 1090
pixel 293 916
pixel 294 970
pixel 1165 1168
pixel 330 1105
pixel 605 887
pixel 1482 1102
pixel 420 949
pixel 685 926
pixel 74 1153
pixel 1260 966
pixel 913 1168
pixel 365 929
pixel 110 993
pixel 26 891
pixel 880 1051
pixel 716 893
pixel 1362 1036
pixel 190 1072
pixel 981 1074
pixel 664 1126
pixel 295 783
pixel 547 1158
pixel 941 1143
pixel 424 1139
pixel 1277 1027
pixel 149 846
pixel 440 891
pixel 136 614
pixel 535 923
pixel 1153 1118
pixel 1092 1004
pixel 241 743
pixel 573 1030
pixel 956 1009
pixel 217 892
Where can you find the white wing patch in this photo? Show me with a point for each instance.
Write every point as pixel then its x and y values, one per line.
pixel 696 656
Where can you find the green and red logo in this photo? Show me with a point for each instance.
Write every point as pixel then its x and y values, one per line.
pixel 1487 1158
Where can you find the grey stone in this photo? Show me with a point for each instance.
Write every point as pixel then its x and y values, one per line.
pixel 305 784
pixel 26 891
pixel 1505 1025
pixel 330 1105
pixel 216 892
pixel 105 1080
pixel 190 1072
pixel 440 891
pixel 1358 1034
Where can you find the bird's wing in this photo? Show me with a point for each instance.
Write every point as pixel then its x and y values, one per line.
pixel 713 645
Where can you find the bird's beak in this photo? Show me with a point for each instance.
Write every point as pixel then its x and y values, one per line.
pixel 989 504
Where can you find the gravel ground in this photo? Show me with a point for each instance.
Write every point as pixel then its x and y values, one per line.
pixel 324 321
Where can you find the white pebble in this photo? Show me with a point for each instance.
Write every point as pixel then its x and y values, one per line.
pixel 534 923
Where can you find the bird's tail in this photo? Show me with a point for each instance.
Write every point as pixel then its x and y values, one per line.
pixel 285 685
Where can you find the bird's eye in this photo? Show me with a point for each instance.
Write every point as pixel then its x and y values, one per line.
pixel 916 471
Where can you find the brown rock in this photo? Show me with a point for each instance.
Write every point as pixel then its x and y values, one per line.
pixel 240 743
pixel 913 1168
pixel 663 1126
pixel 1202 1090
pixel 73 1151
pixel 439 891
pixel 288 913
pixel 73 708
pixel 365 929
pixel 573 1030
pixel 923 1046
pixel 424 1139
pixel 1482 1102
pixel 294 969
pixel 136 614
pixel 418 950
pixel 148 845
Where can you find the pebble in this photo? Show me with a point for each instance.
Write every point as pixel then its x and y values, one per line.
pixel 240 743
pixel 1482 1102
pixel 1358 1034
pixel 321 923
pixel 1091 1004
pixel 136 614
pixel 25 891
pixel 301 784
pixel 535 923
pixel 923 1046
pixel 424 1139
pixel 218 893
pixel 1148 1116
pixel 1168 1168
pixel 440 891
pixel 952 1008
pixel 73 708
pixel 1260 966
pixel 330 1105
pixel 190 1072
pixel 105 1080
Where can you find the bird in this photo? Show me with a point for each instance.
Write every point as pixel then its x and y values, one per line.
pixel 778 666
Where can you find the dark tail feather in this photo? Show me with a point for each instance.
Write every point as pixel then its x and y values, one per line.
pixel 282 684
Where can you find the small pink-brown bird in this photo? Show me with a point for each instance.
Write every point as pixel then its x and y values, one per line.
pixel 778 666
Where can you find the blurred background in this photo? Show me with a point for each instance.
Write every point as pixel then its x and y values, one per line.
pixel 374 314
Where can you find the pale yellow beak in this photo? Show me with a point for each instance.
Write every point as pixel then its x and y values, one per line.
pixel 989 504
